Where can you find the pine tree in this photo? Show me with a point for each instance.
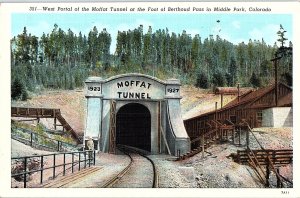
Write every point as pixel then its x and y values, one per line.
pixel 232 72
pixel 281 35
pixel 287 78
pixel 93 47
pixel 255 80
pixel 18 90
pixel 218 79
pixel 202 80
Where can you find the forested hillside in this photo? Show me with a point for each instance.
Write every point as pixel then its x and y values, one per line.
pixel 63 60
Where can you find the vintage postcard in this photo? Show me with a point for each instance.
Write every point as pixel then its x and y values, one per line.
pixel 113 99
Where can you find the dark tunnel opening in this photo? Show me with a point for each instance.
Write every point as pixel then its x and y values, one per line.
pixel 134 126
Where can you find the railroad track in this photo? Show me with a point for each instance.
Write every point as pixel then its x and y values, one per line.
pixel 136 173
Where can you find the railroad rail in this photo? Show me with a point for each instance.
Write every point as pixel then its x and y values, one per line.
pixel 128 151
pixel 44 113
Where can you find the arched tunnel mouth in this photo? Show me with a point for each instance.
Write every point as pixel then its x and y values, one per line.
pixel 133 126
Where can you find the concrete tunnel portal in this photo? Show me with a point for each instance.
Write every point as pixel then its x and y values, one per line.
pixel 136 110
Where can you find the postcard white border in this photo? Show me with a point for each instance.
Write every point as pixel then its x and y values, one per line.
pixel 6 9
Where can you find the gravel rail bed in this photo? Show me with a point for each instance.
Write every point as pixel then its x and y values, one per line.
pixel 140 174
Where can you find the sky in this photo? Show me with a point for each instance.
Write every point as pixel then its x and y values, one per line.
pixel 235 28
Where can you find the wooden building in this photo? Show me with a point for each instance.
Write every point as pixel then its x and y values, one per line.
pixel 246 107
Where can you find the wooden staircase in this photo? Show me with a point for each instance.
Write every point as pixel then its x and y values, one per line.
pixel 44 113
pixel 216 132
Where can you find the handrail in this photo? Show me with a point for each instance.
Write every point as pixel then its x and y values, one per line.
pixel 209 126
pixel 217 122
pixel 31 140
pixel 90 160
pixel 230 122
pixel 277 175
pixel 256 161
pixel 199 138
pixel 254 166
pixel 255 137
pixel 267 154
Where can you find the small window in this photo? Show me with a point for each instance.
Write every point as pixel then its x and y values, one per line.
pixel 259 115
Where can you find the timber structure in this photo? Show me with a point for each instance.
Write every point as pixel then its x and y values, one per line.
pixel 248 108
pixel 39 113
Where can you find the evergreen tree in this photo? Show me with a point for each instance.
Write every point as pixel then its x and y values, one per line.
pixel 255 80
pixel 202 80
pixel 281 35
pixel 195 51
pixel 231 76
pixel 218 79
pixel 61 59
pixel 93 47
pixel 18 90
pixel 287 78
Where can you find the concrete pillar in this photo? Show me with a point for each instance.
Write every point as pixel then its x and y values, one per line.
pixel 94 109
pixel 176 133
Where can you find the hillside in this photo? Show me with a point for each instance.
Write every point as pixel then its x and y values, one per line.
pixel 73 104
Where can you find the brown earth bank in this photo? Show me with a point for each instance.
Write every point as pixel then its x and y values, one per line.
pixel 71 103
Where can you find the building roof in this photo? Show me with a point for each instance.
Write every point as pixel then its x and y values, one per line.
pixel 286 101
pixel 253 95
pixel 231 90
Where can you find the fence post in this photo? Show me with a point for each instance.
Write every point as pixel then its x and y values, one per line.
pixel 240 136
pixel 267 174
pixel 31 135
pixel 202 144
pixel 90 155
pixel 247 138
pixel 53 166
pixel 64 172
pixel 57 145
pixel 79 162
pixel 84 159
pixel 72 162
pixel 233 134
pixel 94 157
pixel 42 166
pixel 25 168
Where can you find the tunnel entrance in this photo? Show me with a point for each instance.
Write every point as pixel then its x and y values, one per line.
pixel 133 126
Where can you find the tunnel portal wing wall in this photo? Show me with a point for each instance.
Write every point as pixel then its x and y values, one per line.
pixel 176 133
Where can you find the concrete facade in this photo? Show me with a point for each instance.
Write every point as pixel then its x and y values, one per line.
pixel 161 98
pixel 277 117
